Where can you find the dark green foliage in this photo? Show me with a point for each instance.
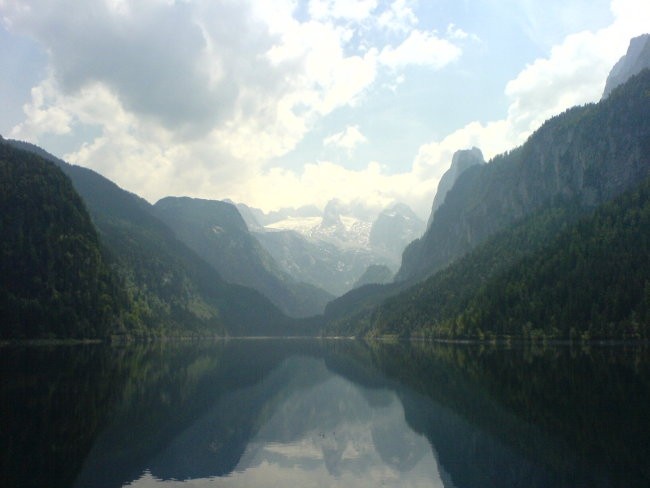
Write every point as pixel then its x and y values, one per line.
pixel 173 291
pixel 594 281
pixel 54 282
pixel 591 282
pixel 589 154
pixel 446 293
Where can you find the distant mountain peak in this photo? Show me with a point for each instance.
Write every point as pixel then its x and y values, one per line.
pixel 461 160
pixel 332 214
pixel 636 59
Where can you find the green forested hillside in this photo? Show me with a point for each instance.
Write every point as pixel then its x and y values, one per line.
pixel 594 281
pixel 54 281
pixel 510 209
pixel 591 281
pixel 172 290
pixel 402 311
pixel 589 153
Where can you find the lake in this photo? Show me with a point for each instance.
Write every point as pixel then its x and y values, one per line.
pixel 308 413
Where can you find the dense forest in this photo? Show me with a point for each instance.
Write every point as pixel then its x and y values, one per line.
pixel 590 281
pixel 589 153
pixel 159 286
pixel 543 253
pixel 514 223
pixel 54 278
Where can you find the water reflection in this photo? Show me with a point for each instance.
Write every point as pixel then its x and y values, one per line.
pixel 316 429
pixel 309 413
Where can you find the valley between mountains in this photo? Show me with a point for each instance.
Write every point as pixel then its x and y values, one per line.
pixel 550 240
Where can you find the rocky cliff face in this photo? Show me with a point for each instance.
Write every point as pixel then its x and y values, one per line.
pixel 394 228
pixel 216 231
pixel 462 160
pixel 588 154
pixel 635 60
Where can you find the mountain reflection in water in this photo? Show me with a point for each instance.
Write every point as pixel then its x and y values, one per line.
pixel 310 413
pixel 316 429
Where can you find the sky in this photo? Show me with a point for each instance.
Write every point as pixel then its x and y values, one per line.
pixel 283 103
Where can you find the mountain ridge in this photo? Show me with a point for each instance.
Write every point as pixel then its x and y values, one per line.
pixel 595 151
pixel 174 291
pixel 216 231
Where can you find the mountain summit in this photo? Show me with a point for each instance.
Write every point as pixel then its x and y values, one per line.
pixel 635 60
pixel 461 160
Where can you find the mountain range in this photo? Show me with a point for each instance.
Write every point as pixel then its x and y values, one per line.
pixel 332 248
pixel 546 240
pixel 474 265
pixel 217 233
pixel 170 289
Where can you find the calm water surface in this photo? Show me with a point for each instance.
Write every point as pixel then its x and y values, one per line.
pixel 308 413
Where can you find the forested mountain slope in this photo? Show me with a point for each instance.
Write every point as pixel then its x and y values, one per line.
pixel 499 213
pixel 591 281
pixel 590 153
pixel 172 289
pixel 54 280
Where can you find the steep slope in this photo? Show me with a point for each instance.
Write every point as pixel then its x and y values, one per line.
pixel 216 232
pixel 394 228
pixel 174 291
pixel 460 161
pixel 591 153
pixel 333 249
pixel 486 206
pixel 376 274
pixel 316 262
pixel 634 61
pixel 54 281
pixel 592 281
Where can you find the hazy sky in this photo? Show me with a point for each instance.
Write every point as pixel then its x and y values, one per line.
pixel 282 103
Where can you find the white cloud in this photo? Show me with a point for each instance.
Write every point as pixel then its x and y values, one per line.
pixel 347 139
pixel 196 97
pixel 574 73
pixel 458 34
pixel 398 17
pixel 356 10
pixel 184 88
pixel 42 115
pixel 420 48
pixel 320 182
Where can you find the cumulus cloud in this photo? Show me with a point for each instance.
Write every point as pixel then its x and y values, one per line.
pixel 347 139
pixel 194 97
pixel 151 54
pixel 197 97
pixel 398 17
pixel 420 48
pixel 357 10
pixel 573 73
pixel 322 181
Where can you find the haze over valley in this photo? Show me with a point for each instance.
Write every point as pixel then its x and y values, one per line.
pixel 325 243
pixel 235 221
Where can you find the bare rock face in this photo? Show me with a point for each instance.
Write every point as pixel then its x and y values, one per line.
pixel 463 159
pixel 635 60
pixel 587 155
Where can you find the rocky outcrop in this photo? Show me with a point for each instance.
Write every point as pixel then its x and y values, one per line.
pixel 463 159
pixel 588 155
pixel 635 60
